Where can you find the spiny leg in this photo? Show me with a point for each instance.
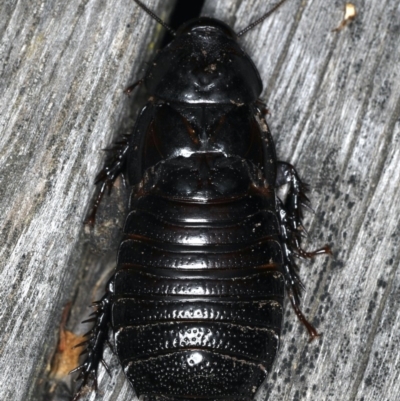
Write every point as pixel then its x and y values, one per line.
pixel 293 283
pixel 296 198
pixel 313 333
pixel 290 215
pixel 295 201
pixel 113 167
pixel 97 338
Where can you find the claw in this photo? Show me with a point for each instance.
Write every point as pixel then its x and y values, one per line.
pixel 310 328
pixel 326 250
pixel 94 346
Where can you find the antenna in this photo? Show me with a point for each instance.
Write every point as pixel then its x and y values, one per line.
pixel 265 16
pixel 155 17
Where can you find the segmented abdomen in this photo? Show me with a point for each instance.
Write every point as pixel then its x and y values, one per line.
pixel 198 292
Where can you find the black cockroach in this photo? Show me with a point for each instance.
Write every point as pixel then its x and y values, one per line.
pixel 195 303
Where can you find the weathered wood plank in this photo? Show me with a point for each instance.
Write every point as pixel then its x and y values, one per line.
pixel 64 66
pixel 335 113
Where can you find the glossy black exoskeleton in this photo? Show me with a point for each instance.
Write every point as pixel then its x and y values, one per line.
pixel 196 300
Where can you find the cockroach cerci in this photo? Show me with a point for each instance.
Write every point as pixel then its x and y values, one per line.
pixel 195 303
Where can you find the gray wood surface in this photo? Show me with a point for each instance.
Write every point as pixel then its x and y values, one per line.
pixel 64 65
pixel 334 109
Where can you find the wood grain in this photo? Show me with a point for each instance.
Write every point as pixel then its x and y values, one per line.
pixel 334 109
pixel 64 65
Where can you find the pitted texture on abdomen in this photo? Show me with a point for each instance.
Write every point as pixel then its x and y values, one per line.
pixel 198 290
